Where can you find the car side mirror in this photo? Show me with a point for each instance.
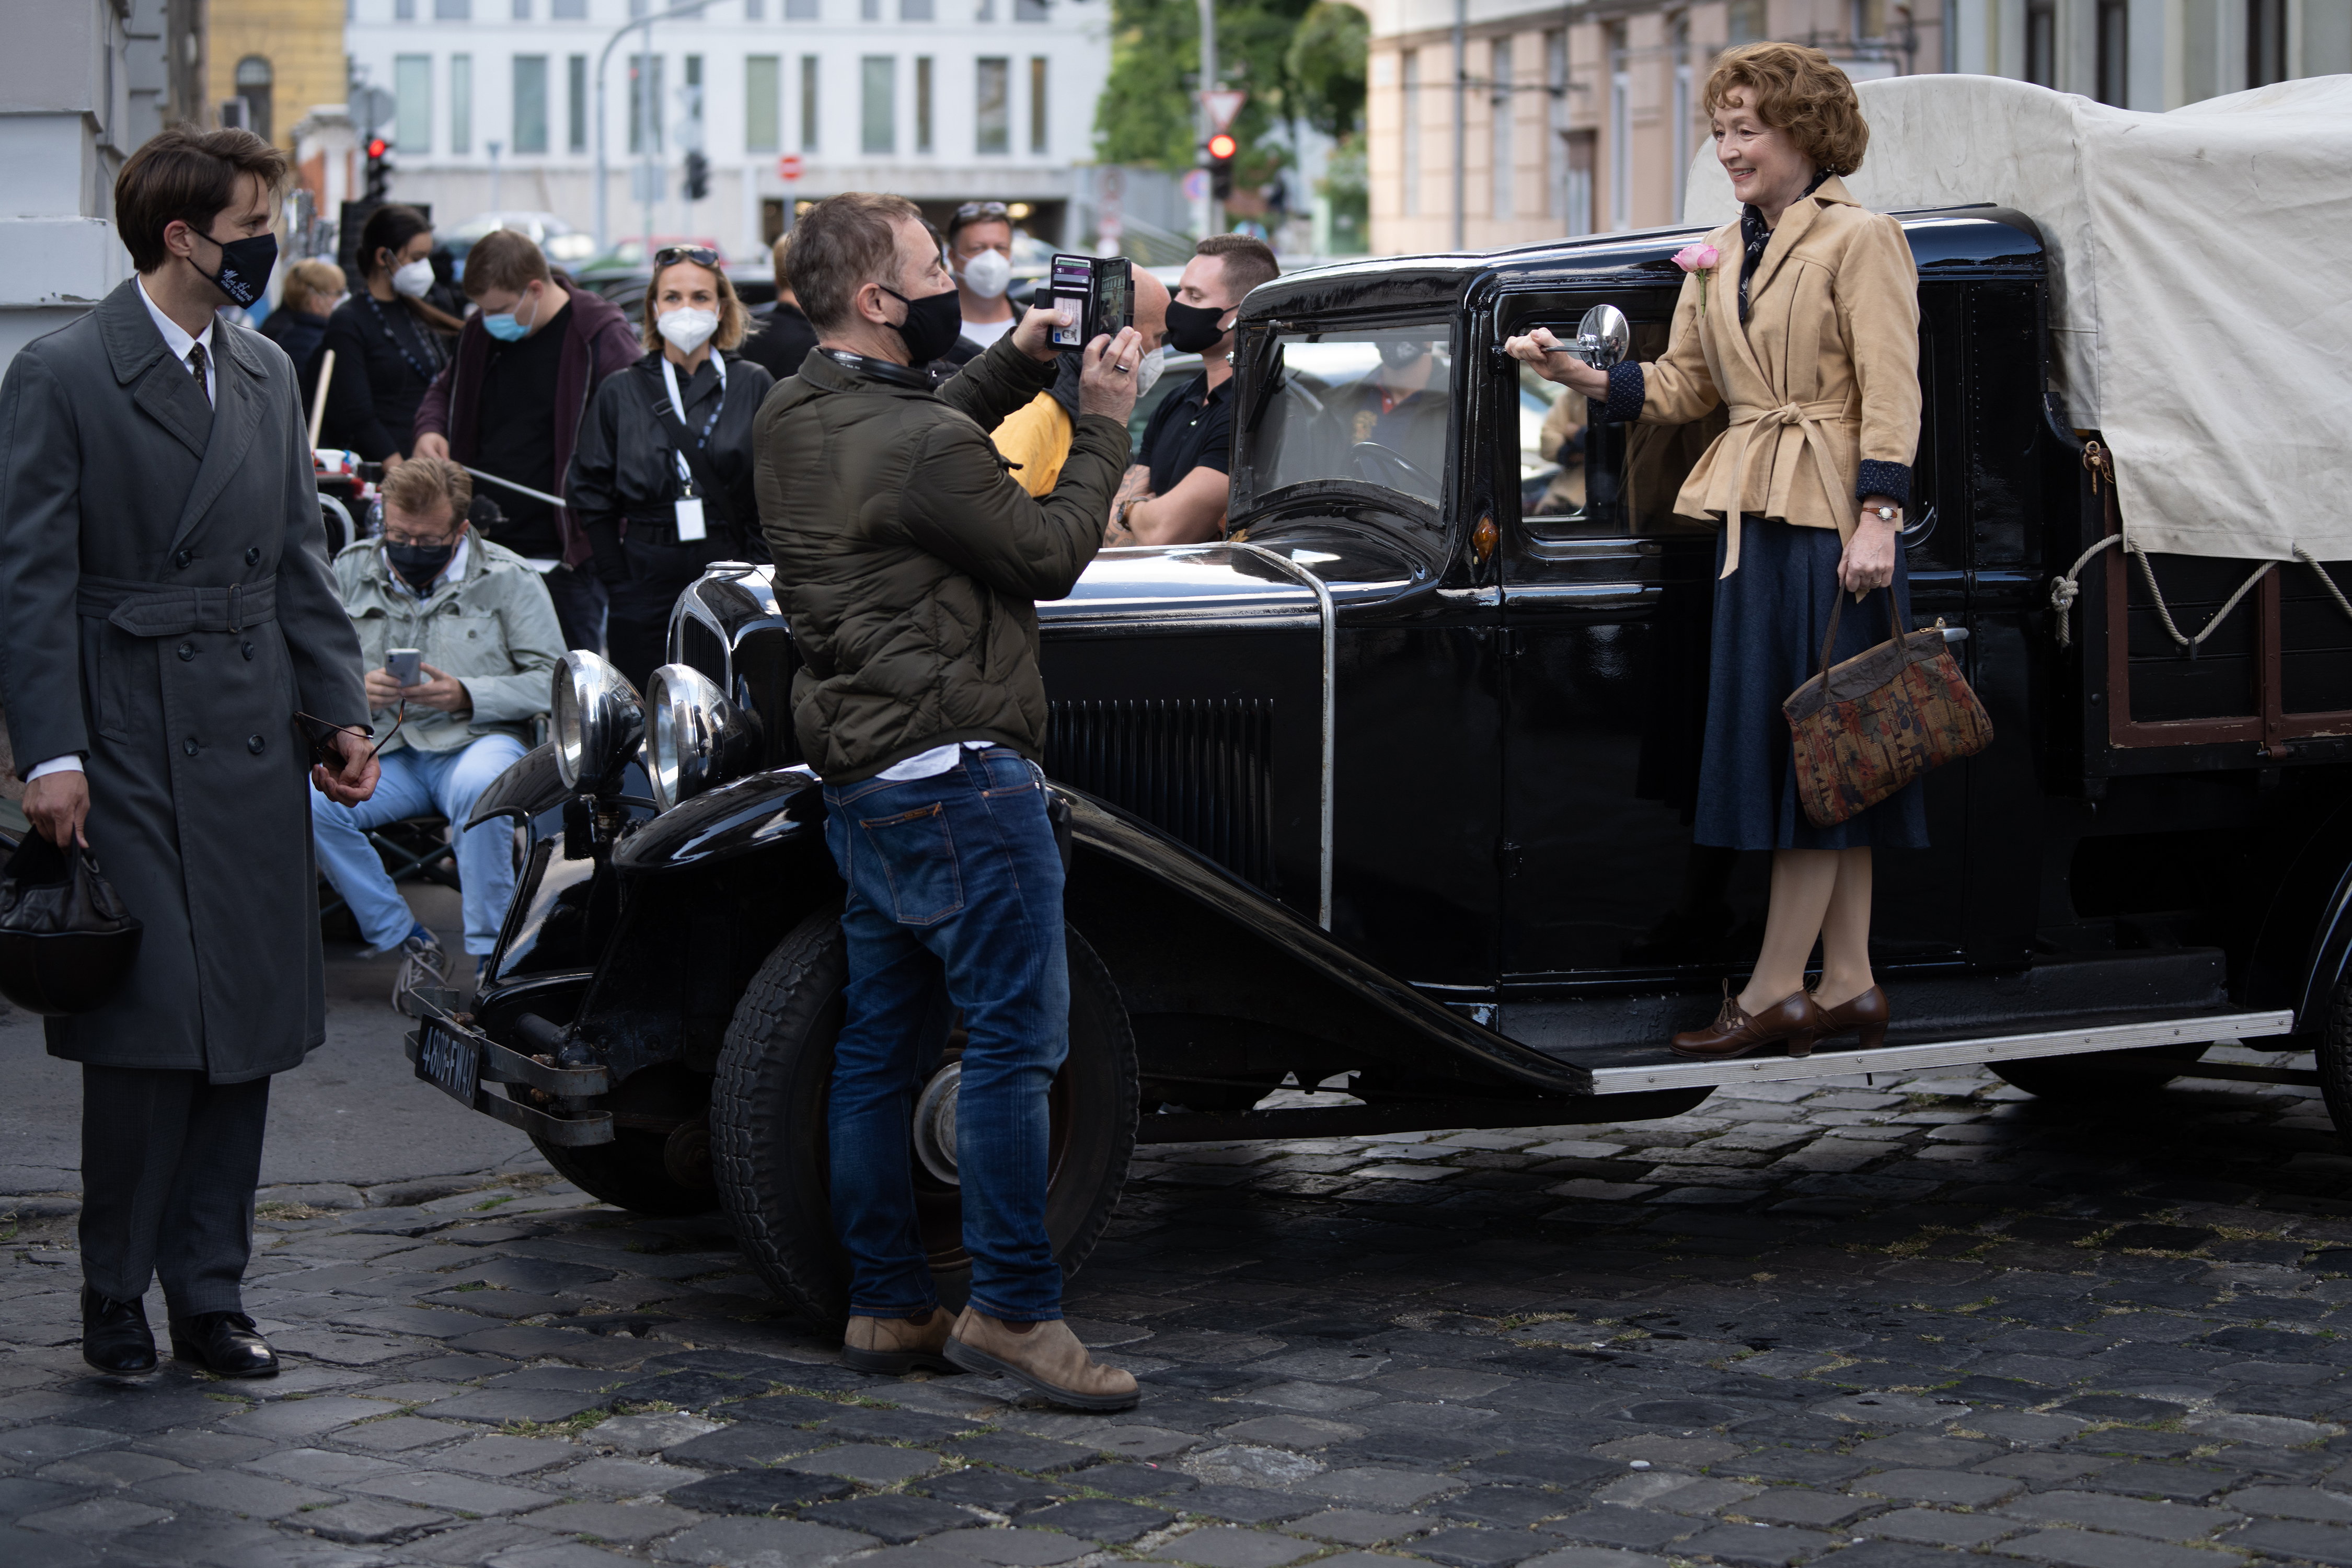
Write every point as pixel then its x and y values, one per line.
pixel 1602 338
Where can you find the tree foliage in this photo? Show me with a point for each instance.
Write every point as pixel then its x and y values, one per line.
pixel 1147 115
pixel 1326 66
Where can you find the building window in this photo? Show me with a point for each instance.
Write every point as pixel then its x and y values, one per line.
pixel 801 10
pixel 1744 22
pixel 412 90
pixel 1579 181
pixel 877 108
pixel 1555 124
pixel 811 67
pixel 453 10
pixel 1869 20
pixel 522 10
pixel 755 10
pixel 1412 203
pixel 461 103
pixel 1038 103
pixel 1620 134
pixel 404 10
pixel 575 126
pixel 567 10
pixel 763 94
pixel 253 80
pixel 870 10
pixel 2042 42
pixel 2115 53
pixel 992 128
pixel 529 103
pixel 922 103
pixel 2266 42
pixel 1682 112
pixel 644 103
pixel 916 11
pixel 1500 98
pixel 1029 10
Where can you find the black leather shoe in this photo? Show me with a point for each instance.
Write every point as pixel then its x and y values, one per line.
pixel 114 1334
pixel 225 1344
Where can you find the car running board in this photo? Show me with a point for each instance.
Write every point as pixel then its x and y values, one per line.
pixel 2193 1029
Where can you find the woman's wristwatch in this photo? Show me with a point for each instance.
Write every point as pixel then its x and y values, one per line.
pixel 1885 513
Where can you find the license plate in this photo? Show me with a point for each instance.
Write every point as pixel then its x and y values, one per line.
pixel 449 1060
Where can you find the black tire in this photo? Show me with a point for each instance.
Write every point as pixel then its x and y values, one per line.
pixel 2332 1053
pixel 640 1170
pixel 768 1125
pixel 2098 1075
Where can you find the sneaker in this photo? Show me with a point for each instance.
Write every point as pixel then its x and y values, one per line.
pixel 422 964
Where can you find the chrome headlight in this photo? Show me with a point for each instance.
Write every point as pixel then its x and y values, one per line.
pixel 697 737
pixel 596 718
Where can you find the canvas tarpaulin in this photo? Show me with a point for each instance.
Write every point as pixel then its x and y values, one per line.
pixel 2200 301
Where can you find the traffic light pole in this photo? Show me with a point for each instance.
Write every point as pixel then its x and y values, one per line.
pixel 1211 211
pixel 646 111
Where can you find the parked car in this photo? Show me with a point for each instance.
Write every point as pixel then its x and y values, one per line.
pixel 564 246
pixel 1386 798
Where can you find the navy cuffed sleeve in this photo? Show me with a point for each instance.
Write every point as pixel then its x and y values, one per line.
pixel 1623 404
pixel 1876 478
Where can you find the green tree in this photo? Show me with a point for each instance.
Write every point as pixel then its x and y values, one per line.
pixel 1147 114
pixel 1326 64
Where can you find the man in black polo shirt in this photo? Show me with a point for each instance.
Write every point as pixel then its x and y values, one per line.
pixel 1176 494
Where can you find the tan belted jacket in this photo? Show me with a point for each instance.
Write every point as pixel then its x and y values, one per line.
pixel 1826 375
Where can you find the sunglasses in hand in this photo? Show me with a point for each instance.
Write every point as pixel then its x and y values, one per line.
pixel 320 735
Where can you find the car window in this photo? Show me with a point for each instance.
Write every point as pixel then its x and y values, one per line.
pixel 1586 481
pixel 1367 405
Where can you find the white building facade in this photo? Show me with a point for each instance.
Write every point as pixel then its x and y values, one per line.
pixel 940 100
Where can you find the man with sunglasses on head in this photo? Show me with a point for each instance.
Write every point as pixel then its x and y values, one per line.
pixel 481 617
pixel 979 254
pixel 171 649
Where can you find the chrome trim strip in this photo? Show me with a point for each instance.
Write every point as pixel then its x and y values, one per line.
pixel 1285 564
pixel 2190 1031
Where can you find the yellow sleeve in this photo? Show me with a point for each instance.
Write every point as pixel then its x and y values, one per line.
pixel 1036 436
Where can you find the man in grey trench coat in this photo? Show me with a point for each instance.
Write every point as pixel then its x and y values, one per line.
pixel 166 609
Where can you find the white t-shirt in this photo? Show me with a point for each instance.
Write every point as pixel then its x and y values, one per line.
pixel 986 332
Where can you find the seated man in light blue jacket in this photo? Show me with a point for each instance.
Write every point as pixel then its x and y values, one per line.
pixel 486 629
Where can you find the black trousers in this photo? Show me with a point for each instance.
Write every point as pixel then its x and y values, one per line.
pixel 636 624
pixel 169 1162
pixel 579 597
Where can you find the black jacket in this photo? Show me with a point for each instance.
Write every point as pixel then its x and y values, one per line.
pixel 300 333
pixel 385 357
pixel 624 471
pixel 779 345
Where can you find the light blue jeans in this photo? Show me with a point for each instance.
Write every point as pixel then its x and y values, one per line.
pixel 413 783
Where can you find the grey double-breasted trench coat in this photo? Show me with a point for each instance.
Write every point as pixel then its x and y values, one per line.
pixel 165 607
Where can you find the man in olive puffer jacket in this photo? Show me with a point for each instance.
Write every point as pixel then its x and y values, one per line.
pixel 909 564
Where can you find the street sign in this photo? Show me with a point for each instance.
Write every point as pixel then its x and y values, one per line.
pixel 1223 104
pixel 1196 185
pixel 372 106
pixel 788 167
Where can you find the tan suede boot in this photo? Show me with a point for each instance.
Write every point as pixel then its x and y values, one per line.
pixel 1048 1358
pixel 897 1344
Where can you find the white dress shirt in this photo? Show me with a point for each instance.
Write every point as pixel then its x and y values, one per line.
pixel 178 342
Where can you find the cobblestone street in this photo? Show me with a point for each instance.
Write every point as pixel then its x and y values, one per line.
pixel 1876 1321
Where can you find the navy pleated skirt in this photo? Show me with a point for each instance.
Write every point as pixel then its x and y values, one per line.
pixel 1771 616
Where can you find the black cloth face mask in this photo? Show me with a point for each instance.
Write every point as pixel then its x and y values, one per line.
pixel 419 565
pixel 1193 329
pixel 932 325
pixel 244 269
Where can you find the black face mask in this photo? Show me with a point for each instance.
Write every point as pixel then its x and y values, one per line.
pixel 1193 329
pixel 418 564
pixel 932 325
pixel 244 269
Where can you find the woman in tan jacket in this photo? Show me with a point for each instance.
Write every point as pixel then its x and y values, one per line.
pixel 1808 328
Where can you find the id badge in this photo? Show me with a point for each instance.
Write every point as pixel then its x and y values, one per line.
pixel 689 520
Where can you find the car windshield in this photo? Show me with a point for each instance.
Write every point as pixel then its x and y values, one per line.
pixel 1368 405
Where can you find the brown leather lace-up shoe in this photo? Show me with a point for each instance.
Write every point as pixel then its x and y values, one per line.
pixel 1793 1020
pixel 1048 1358
pixel 1866 1014
pixel 897 1344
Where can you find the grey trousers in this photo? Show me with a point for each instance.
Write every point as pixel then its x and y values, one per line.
pixel 169 1162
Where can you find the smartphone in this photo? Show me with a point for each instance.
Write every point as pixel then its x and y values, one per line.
pixel 403 664
pixel 1093 296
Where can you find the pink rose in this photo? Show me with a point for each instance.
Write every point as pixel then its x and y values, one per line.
pixel 1700 257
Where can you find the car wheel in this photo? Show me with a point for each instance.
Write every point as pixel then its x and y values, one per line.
pixel 768 1125
pixel 2099 1075
pixel 643 1170
pixel 2332 1053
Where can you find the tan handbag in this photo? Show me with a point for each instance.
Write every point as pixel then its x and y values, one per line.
pixel 1862 729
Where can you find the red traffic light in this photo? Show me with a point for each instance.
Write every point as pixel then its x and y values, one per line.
pixel 1222 146
pixel 376 147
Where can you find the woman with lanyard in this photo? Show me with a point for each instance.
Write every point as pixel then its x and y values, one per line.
pixel 661 481
pixel 388 340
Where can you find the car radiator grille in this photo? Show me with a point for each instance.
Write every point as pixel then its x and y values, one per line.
pixel 1200 770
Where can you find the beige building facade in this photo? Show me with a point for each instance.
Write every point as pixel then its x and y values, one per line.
pixel 1498 122
pixel 271 62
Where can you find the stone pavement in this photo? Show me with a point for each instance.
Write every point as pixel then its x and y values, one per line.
pixel 1877 1323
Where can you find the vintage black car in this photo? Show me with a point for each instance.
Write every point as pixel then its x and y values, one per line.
pixel 1385 800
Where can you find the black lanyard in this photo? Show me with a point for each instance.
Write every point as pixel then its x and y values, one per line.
pixel 677 398
pixel 400 348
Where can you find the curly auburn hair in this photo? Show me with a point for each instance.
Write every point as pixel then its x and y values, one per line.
pixel 1797 91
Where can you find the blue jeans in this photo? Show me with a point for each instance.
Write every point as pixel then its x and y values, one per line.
pixel 955 901
pixel 413 783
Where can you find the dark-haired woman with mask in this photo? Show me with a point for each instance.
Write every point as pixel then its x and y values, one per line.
pixel 388 341
pixel 661 481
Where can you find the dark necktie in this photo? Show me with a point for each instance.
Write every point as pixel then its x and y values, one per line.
pixel 196 368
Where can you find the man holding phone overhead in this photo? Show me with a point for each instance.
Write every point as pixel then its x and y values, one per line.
pixel 458 636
